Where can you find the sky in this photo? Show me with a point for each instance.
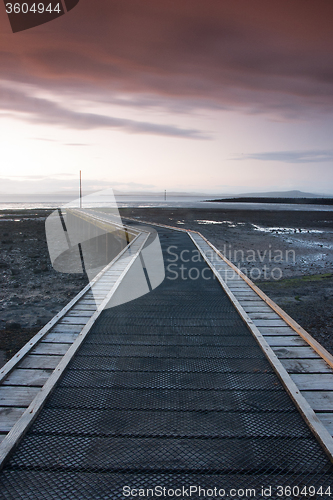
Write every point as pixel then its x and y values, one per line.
pixel 207 96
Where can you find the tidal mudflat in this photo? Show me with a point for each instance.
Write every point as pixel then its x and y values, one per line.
pixel 287 253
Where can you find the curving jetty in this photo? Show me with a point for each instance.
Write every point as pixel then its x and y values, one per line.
pixel 203 387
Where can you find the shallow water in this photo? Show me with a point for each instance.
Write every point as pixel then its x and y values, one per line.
pixel 155 201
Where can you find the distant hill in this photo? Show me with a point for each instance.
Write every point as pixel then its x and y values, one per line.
pixel 273 199
pixel 120 195
pixel 279 194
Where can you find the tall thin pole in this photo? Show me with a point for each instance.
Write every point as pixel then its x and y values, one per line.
pixel 165 195
pixel 80 190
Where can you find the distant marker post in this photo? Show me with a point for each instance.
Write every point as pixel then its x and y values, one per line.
pixel 80 190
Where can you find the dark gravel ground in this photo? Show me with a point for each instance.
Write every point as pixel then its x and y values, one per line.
pixel 31 292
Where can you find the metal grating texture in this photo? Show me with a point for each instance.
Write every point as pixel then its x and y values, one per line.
pixel 169 394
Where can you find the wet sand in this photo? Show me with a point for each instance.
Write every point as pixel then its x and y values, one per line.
pixel 289 255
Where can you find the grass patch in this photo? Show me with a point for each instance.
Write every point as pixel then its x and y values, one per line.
pixel 294 282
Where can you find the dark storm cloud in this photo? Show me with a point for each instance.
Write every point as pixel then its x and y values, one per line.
pixel 291 156
pixel 265 56
pixel 43 111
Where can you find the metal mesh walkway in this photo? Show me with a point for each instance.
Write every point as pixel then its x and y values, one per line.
pixel 172 391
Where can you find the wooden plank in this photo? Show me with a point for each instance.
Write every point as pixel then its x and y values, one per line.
pixel 81 313
pixel 76 320
pixel 118 269
pixel 252 302
pixel 17 396
pixel 67 328
pixel 226 273
pixel 254 308
pixel 285 341
pixel 238 290
pixel 84 307
pixel 49 348
pixel 114 273
pixel 313 381
pixel 327 420
pixel 306 366
pixel 237 283
pixel 109 277
pixel 320 400
pixel 9 416
pixel 60 338
pixel 277 330
pixel 42 361
pixel 30 378
pixel 89 296
pixel 268 322
pixel 235 279
pixel 104 287
pixel 295 352
pixel 262 315
pixel 250 295
pixel 237 286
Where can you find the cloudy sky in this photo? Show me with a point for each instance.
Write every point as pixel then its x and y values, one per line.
pixel 145 95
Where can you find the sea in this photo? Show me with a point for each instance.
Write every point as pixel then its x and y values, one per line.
pixel 154 201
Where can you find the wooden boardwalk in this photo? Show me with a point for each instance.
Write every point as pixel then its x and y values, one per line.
pixel 29 377
pixel 303 366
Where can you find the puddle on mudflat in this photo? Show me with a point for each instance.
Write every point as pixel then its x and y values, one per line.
pixel 286 230
pixel 227 222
